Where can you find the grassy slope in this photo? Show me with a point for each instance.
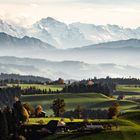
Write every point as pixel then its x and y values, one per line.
pixel 86 100
pixel 127 88
pixel 132 115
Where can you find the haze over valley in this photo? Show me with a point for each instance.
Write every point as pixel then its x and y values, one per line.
pixel 65 69
pixel 93 50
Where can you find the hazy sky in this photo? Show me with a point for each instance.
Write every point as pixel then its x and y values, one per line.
pixel 122 12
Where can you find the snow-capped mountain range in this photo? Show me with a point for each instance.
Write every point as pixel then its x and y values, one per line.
pixel 72 35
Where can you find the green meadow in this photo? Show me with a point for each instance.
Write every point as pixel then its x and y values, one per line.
pixel 128 88
pixel 72 100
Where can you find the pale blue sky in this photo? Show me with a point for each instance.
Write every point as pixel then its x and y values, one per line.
pixel 122 12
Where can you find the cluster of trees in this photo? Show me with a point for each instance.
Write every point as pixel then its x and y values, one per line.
pixel 121 81
pixel 11 119
pixel 81 113
pixel 60 81
pixel 8 94
pixel 58 107
pixel 33 90
pixel 84 86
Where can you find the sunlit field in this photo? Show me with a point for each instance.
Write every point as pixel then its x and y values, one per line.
pixel 128 88
pixel 39 86
pixel 85 100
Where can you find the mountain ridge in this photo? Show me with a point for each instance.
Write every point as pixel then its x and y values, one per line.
pixel 130 43
pixel 10 41
pixel 72 35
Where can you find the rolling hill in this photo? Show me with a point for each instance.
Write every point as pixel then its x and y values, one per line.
pixel 85 100
pixel 65 69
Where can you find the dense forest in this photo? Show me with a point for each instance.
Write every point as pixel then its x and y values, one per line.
pixel 84 86
pixel 22 79
pixel 121 81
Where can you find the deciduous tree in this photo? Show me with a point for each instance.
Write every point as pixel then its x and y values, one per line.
pixel 58 107
pixel 113 110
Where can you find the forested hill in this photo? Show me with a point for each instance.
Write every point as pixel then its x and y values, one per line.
pixel 12 78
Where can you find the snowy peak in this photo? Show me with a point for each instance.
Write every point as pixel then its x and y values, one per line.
pixel 106 33
pixel 60 33
pixel 11 29
pixel 50 21
pixel 49 24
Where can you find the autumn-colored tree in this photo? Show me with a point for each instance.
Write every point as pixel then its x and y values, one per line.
pixel 60 81
pixel 25 114
pixel 29 108
pixel 20 113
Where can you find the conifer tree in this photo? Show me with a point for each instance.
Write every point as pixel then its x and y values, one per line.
pixel 3 127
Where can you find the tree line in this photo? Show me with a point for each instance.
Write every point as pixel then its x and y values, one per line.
pixel 22 79
pixel 120 81
pixel 85 86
